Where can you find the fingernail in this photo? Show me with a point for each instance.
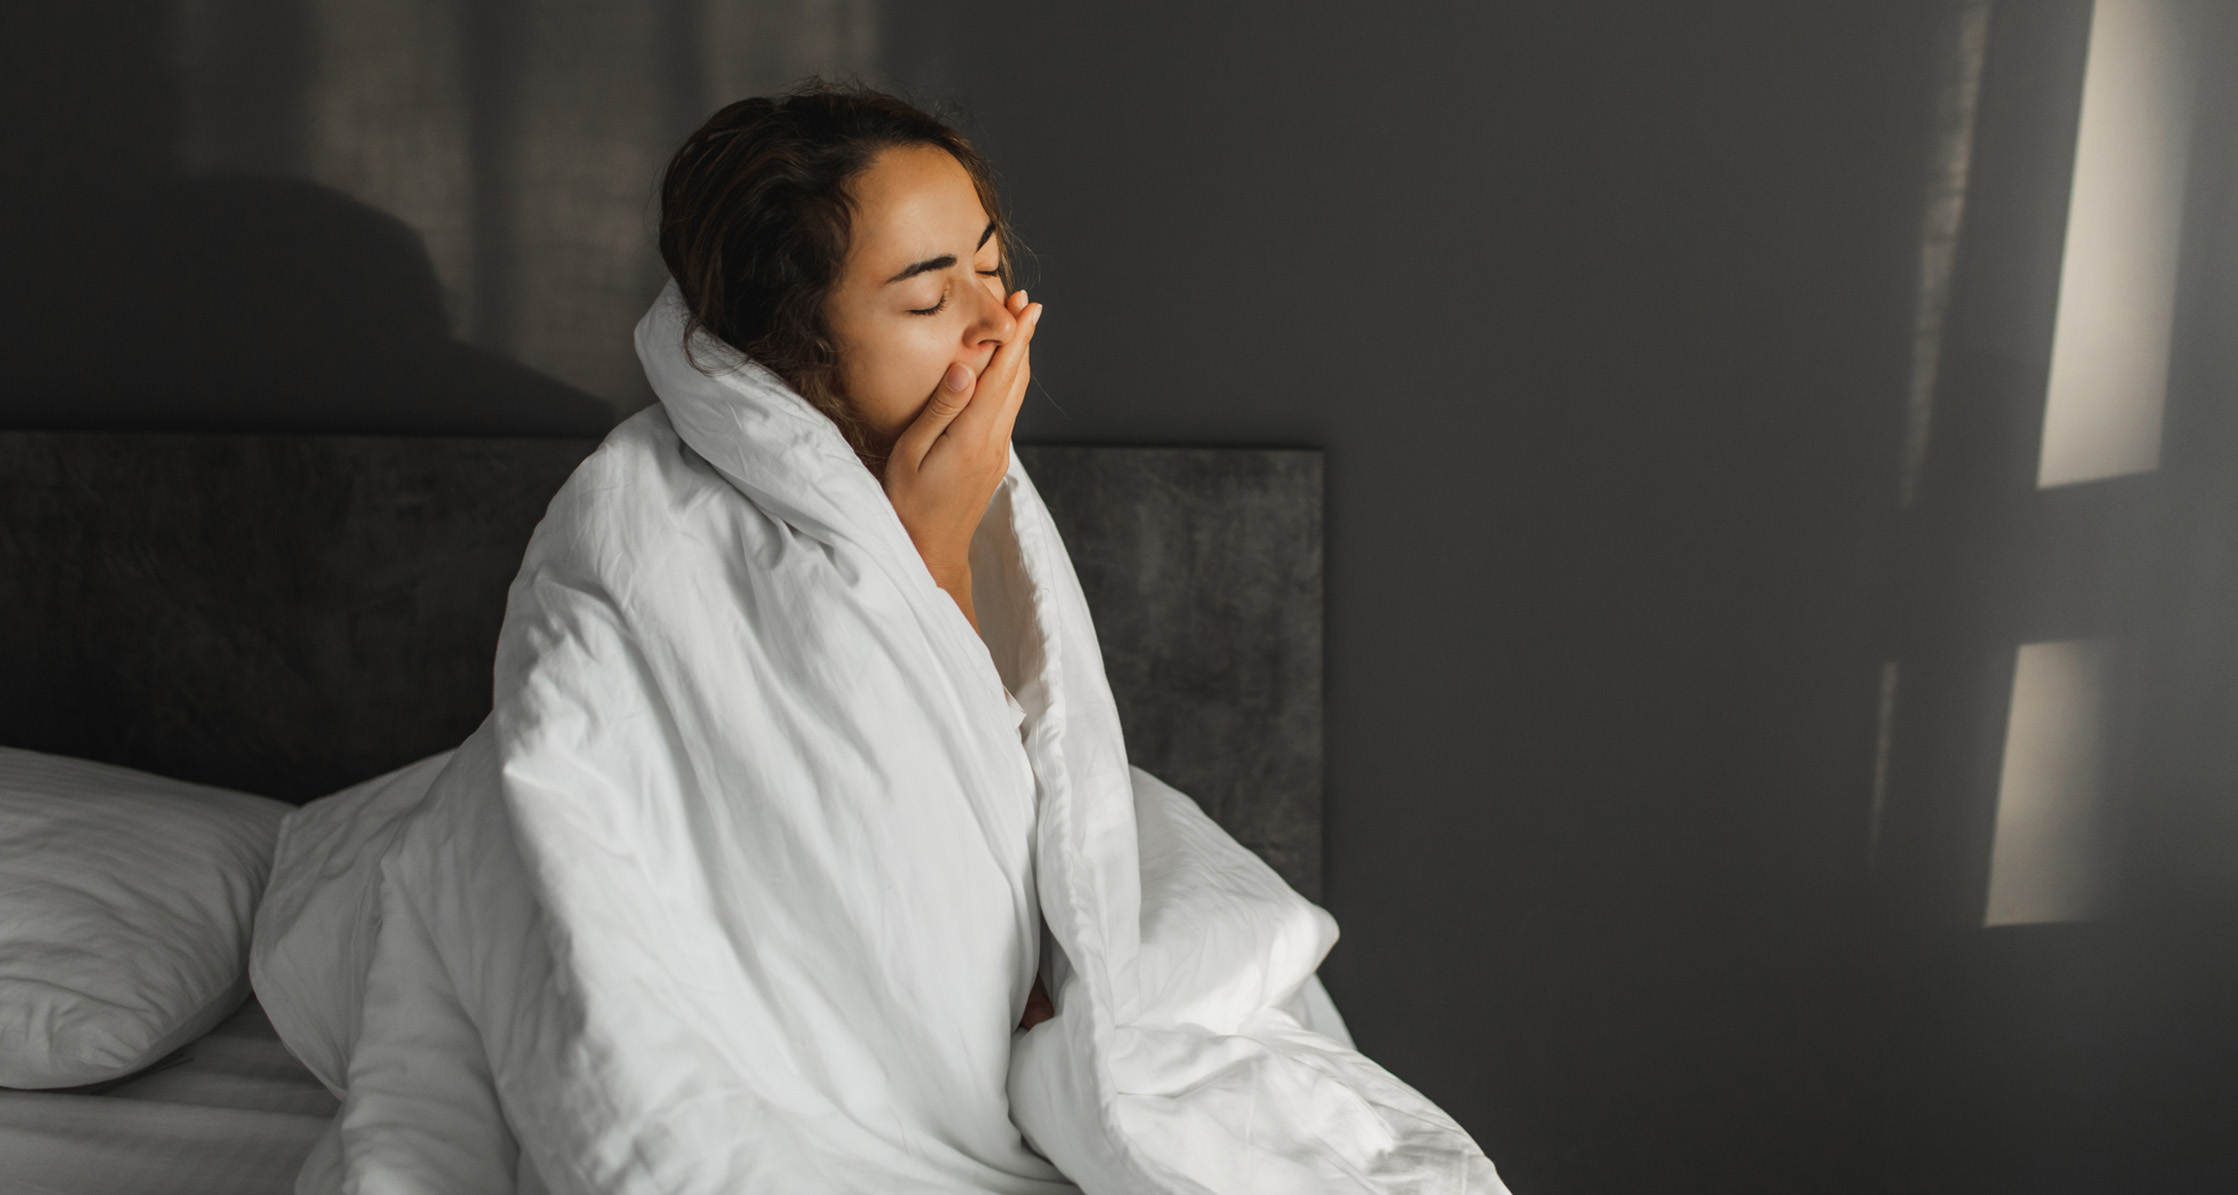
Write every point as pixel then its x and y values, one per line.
pixel 957 378
pixel 1034 314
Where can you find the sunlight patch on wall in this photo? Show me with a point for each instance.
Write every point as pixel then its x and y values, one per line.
pixel 2051 858
pixel 2117 282
pixel 1955 107
pixel 1884 745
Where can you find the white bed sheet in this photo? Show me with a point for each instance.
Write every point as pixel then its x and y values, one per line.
pixel 235 1116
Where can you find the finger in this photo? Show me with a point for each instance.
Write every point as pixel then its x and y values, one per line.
pixel 1009 394
pixel 1004 382
pixel 1014 397
pixel 951 398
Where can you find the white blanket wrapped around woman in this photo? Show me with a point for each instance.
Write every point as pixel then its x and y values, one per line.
pixel 742 885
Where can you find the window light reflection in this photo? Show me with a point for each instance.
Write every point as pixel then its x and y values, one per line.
pixel 2117 282
pixel 2050 858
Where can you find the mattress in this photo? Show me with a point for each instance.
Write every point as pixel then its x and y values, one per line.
pixel 232 1114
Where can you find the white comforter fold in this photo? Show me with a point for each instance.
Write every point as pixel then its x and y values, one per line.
pixel 741 886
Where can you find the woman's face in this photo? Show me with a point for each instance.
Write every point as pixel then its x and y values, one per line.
pixel 919 293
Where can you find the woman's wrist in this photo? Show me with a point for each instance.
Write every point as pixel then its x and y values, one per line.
pixel 956 580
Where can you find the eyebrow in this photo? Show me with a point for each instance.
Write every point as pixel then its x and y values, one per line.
pixel 942 262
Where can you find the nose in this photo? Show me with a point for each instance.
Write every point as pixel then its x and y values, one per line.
pixel 992 323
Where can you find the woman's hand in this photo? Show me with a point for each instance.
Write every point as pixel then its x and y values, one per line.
pixel 945 466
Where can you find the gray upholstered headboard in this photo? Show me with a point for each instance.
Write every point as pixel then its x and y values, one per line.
pixel 290 614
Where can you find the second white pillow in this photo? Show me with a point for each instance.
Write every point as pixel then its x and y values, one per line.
pixel 125 908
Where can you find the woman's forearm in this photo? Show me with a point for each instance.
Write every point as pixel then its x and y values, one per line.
pixel 957 581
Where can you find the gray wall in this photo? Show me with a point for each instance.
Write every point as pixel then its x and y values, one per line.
pixel 1606 315
pixel 1603 313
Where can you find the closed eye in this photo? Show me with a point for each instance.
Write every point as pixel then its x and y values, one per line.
pixel 941 306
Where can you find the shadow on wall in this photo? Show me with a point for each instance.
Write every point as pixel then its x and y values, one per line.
pixel 141 297
pixel 243 303
pixel 276 214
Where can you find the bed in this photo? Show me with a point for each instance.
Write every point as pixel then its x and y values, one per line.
pixel 288 615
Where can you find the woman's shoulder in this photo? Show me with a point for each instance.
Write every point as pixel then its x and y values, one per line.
pixel 641 474
pixel 639 500
pixel 643 448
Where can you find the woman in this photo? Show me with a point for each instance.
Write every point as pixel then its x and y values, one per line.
pixel 803 792
pixel 854 246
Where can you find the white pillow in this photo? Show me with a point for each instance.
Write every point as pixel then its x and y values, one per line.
pixel 125 906
pixel 315 929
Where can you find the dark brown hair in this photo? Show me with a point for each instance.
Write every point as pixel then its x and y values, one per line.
pixel 754 222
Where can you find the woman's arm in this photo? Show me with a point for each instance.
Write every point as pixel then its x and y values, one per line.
pixel 944 469
pixel 942 473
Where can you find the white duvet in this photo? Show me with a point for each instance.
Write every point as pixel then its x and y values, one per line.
pixel 742 885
